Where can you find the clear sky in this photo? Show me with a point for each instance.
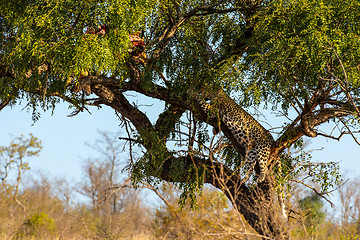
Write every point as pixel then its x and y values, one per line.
pixel 64 139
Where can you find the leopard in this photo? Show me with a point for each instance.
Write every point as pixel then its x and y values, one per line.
pixel 247 131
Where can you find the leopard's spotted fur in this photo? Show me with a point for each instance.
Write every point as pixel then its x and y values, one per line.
pixel 248 132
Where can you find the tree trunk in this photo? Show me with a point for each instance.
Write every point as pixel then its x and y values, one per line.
pixel 255 203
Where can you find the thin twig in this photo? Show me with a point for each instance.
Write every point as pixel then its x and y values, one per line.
pixel 350 132
pixel 318 193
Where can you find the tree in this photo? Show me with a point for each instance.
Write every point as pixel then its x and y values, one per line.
pixel 110 149
pixel 312 207
pixel 13 164
pixel 116 207
pixel 102 175
pixel 300 58
pixel 350 208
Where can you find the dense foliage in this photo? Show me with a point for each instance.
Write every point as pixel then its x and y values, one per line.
pixel 296 44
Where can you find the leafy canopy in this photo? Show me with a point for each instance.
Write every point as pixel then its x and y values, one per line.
pixel 279 52
pixel 295 44
pixel 303 46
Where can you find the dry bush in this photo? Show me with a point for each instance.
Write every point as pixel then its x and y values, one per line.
pixel 212 217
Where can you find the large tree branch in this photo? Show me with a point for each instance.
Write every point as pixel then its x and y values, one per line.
pixel 151 90
pixel 304 125
pixel 116 100
pixel 4 103
pixel 211 9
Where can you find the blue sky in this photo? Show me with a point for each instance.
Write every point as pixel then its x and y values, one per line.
pixel 64 139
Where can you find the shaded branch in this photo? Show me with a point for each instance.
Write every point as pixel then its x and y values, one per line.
pixel 213 169
pixel 210 9
pixel 116 100
pixel 4 103
pixel 167 120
